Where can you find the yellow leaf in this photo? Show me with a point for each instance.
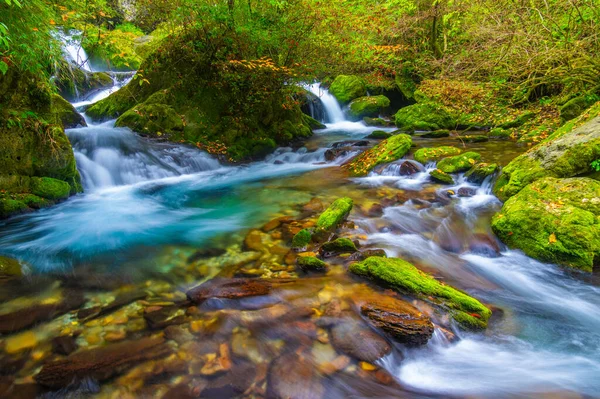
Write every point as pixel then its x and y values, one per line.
pixel 552 238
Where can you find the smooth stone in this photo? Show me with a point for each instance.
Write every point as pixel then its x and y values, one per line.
pixel 295 376
pixel 483 244
pixel 466 192
pixel 234 288
pixel 355 339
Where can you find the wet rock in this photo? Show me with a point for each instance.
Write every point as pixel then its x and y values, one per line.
pixel 313 206
pixel 205 253
pixel 364 254
pixel 333 216
pixel 397 318
pixel 164 317
pixel 436 134
pixel 272 315
pixel 23 318
pixel 311 264
pixel 178 334
pixel 355 339
pixel 443 197
pixel 234 288
pixel 483 244
pixel 235 382
pixel 409 168
pixel 88 279
pixel 100 363
pixel 459 163
pixel 120 301
pixel 426 155
pixel 479 172
pixel 379 135
pixel 339 246
pixel 293 375
pixel 64 345
pixel 360 143
pixel 275 223
pixel 441 177
pixel 466 192
pixel 9 267
pixel 386 151
pixel 376 210
pixel 475 138
pixel 378 384
pixel 10 365
pixel 302 239
pixel 256 241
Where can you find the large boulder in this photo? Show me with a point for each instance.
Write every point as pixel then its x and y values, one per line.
pixel 406 278
pixel 576 106
pixel 459 163
pixel 346 88
pixel 74 83
pixel 554 220
pixel 369 106
pixel 37 164
pixel 568 152
pixel 424 116
pixel 386 151
pixel 426 155
pixel 65 113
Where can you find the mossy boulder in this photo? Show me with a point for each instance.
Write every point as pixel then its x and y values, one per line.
pixel 311 264
pixel 474 138
pixel 152 119
pixel 554 220
pixel 340 245
pixel 387 151
pixel 333 216
pixel 313 123
pixel 441 177
pixel 406 278
pixel 379 135
pixel 74 83
pixel 568 152
pixel 367 106
pixel 518 121
pixel 576 106
pixel 459 163
pixel 424 116
pixel 499 134
pixel 478 173
pixel 33 145
pixel 437 134
pixel 377 122
pixel 346 88
pixel 49 188
pixel 301 239
pixel 64 112
pixel 431 154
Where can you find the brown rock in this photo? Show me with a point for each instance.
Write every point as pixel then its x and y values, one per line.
pixel 294 376
pixel 100 363
pixel 409 168
pixel 483 244
pixel 355 339
pixel 397 318
pixel 235 382
pixel 163 317
pixel 234 288
pixel 64 345
pixel 466 192
pixel 313 206
pixel 280 313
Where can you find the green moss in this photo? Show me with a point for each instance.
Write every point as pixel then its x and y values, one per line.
pixel 441 177
pixel 404 277
pixel 475 138
pixel 73 83
pixel 301 239
pixel 424 116
pixel 340 245
pixel 311 264
pixel 152 119
pixel 65 114
pixel 568 152
pixel 459 163
pixel 49 188
pixel 576 106
pixel 499 133
pixel 377 122
pixel 368 106
pixel 387 151
pixel 554 220
pixel 115 104
pixel 313 123
pixel 9 207
pixel 10 267
pixel 436 134
pixel 35 202
pixel 431 154
pixel 333 216
pixel 379 135
pixel 519 121
pixel 346 88
pixel 479 172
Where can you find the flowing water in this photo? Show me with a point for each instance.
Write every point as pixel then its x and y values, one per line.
pixel 166 217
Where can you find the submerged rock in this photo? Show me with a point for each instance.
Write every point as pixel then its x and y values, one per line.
pixel 355 339
pixel 404 277
pixel 367 106
pixel 426 155
pixel 459 163
pixel 294 375
pixel 346 88
pixel 436 134
pixel 100 363
pixel 234 288
pixel 483 244
pixel 568 152
pixel 10 267
pixel 554 220
pixel 387 151
pixel 424 116
pixel 397 318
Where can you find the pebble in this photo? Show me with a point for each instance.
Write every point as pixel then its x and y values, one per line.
pixel 20 342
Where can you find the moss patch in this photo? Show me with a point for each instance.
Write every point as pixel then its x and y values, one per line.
pixel 554 220
pixel 387 151
pixel 49 188
pixel 301 239
pixel 441 177
pixel 424 116
pixel 311 264
pixel 346 88
pixel 333 216
pixel 404 277
pixel 340 245
pixel 459 163
pixel 479 172
pixel 426 155
pixel 367 106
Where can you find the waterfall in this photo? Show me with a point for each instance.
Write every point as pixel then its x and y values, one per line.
pixel 74 52
pixel 332 107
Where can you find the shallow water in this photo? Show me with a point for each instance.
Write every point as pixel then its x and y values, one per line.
pixel 163 218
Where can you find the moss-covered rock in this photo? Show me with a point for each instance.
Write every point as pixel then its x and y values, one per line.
pixel 340 245
pixel 379 135
pixel 387 151
pixel 367 106
pixel 441 177
pixel 406 278
pixel 568 152
pixel 576 106
pixel 431 154
pixel 49 188
pixel 311 264
pixel 499 134
pixel 377 122
pixel 518 121
pixel 301 239
pixel 554 220
pixel 10 267
pixel 437 134
pixel 152 119
pixel 474 138
pixel 424 116
pixel 74 83
pixel 346 88
pixel 459 163
pixel 64 112
pixel 33 144
pixel 479 172
pixel 333 216
pixel 313 123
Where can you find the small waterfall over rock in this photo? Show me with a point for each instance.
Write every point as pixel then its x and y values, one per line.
pixel 73 50
pixel 332 107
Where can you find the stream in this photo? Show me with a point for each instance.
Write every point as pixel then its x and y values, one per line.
pixel 150 207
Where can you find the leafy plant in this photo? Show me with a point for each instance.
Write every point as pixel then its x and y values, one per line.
pixel 596 165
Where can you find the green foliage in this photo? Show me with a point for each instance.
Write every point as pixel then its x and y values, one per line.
pixel 596 165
